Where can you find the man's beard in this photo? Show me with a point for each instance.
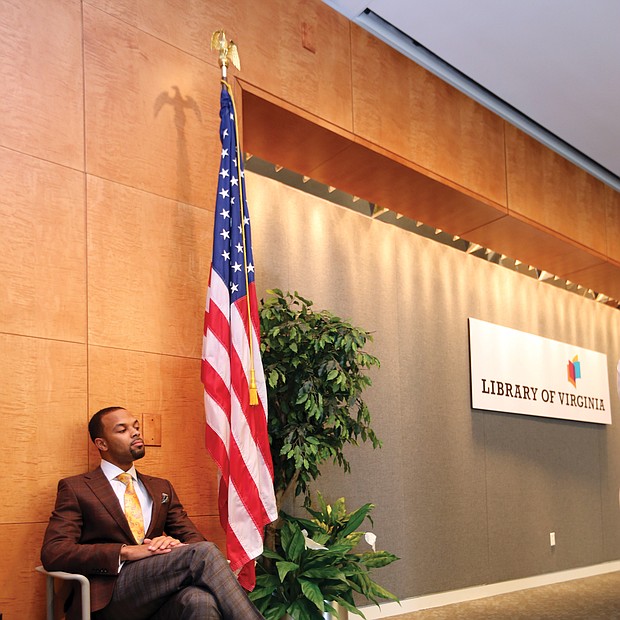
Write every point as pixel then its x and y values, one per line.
pixel 137 453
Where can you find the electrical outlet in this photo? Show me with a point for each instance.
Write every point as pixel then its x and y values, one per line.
pixel 552 539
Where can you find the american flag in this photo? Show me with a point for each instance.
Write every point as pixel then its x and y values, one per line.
pixel 231 365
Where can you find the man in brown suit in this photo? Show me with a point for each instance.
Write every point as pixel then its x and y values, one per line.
pixel 174 573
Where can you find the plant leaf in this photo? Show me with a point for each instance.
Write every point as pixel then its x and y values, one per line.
pixel 303 609
pixel 377 559
pixel 284 568
pixel 268 553
pixel 356 518
pixel 381 592
pixel 275 611
pixel 312 592
pixel 292 541
pixel 326 572
pixel 349 606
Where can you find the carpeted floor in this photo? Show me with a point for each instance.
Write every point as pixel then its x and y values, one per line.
pixel 594 598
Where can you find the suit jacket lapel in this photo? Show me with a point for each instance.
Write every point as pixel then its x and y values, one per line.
pixel 102 488
pixel 147 481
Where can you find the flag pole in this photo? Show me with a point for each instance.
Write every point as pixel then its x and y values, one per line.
pixel 236 433
pixel 227 51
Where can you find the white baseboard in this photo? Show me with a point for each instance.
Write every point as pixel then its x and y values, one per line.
pixel 477 592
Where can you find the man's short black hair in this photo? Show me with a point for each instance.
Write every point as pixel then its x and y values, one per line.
pixel 95 426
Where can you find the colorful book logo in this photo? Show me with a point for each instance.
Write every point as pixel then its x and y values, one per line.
pixel 574 370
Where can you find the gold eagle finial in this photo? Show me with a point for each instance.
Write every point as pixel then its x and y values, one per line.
pixel 227 50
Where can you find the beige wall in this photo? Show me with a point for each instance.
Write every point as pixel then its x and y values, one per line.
pixel 464 497
pixel 108 157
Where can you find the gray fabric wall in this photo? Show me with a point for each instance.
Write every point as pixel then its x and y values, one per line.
pixel 464 497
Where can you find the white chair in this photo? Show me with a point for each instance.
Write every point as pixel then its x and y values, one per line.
pixel 51 594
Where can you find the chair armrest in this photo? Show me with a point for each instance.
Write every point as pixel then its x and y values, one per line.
pixel 58 574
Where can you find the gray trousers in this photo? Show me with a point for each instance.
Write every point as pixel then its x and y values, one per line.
pixel 193 581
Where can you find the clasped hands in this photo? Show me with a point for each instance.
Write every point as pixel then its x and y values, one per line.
pixel 150 547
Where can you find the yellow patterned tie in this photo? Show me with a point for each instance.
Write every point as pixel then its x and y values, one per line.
pixel 133 510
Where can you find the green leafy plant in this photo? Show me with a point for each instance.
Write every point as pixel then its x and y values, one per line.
pixel 316 370
pixel 314 565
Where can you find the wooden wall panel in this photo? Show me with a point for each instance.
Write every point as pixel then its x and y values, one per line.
pixel 287 135
pixel 43 403
pixel 41 111
pixel 405 109
pixel 170 386
pixel 294 49
pixel 551 192
pixel 211 529
pixel 299 51
pixel 42 236
pixel 22 590
pixel 279 133
pixel 151 112
pixel 602 278
pixel 612 225
pixel 186 24
pixel 389 182
pixel 539 248
pixel 148 266
pixel 127 10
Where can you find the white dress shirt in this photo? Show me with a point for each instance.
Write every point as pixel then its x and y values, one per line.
pixel 146 503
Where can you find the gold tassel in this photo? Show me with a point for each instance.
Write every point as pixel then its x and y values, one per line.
pixel 253 390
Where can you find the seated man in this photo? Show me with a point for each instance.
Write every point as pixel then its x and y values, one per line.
pixel 129 534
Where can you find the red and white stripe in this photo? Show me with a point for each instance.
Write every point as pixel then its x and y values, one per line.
pixel 236 434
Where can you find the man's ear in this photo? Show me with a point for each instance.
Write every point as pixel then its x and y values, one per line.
pixel 101 444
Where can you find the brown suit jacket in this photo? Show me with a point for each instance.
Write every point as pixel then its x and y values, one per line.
pixel 88 528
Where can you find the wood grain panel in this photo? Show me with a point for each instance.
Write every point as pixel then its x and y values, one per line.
pixel 612 226
pixel 303 143
pixel 152 112
pixel 602 278
pixel 41 110
pixel 43 403
pixel 42 236
pixel 402 107
pixel 126 10
pixel 316 77
pixel 539 248
pixel 22 590
pixel 148 266
pixel 295 49
pixel 211 529
pixel 549 190
pixel 186 24
pixel 286 135
pixel 390 183
pixel 170 386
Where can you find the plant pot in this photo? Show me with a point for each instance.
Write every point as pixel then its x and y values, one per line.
pixel 343 614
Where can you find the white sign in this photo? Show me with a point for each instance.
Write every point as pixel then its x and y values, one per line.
pixel 517 372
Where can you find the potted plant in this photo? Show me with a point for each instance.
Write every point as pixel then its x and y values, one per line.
pixel 315 569
pixel 316 370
